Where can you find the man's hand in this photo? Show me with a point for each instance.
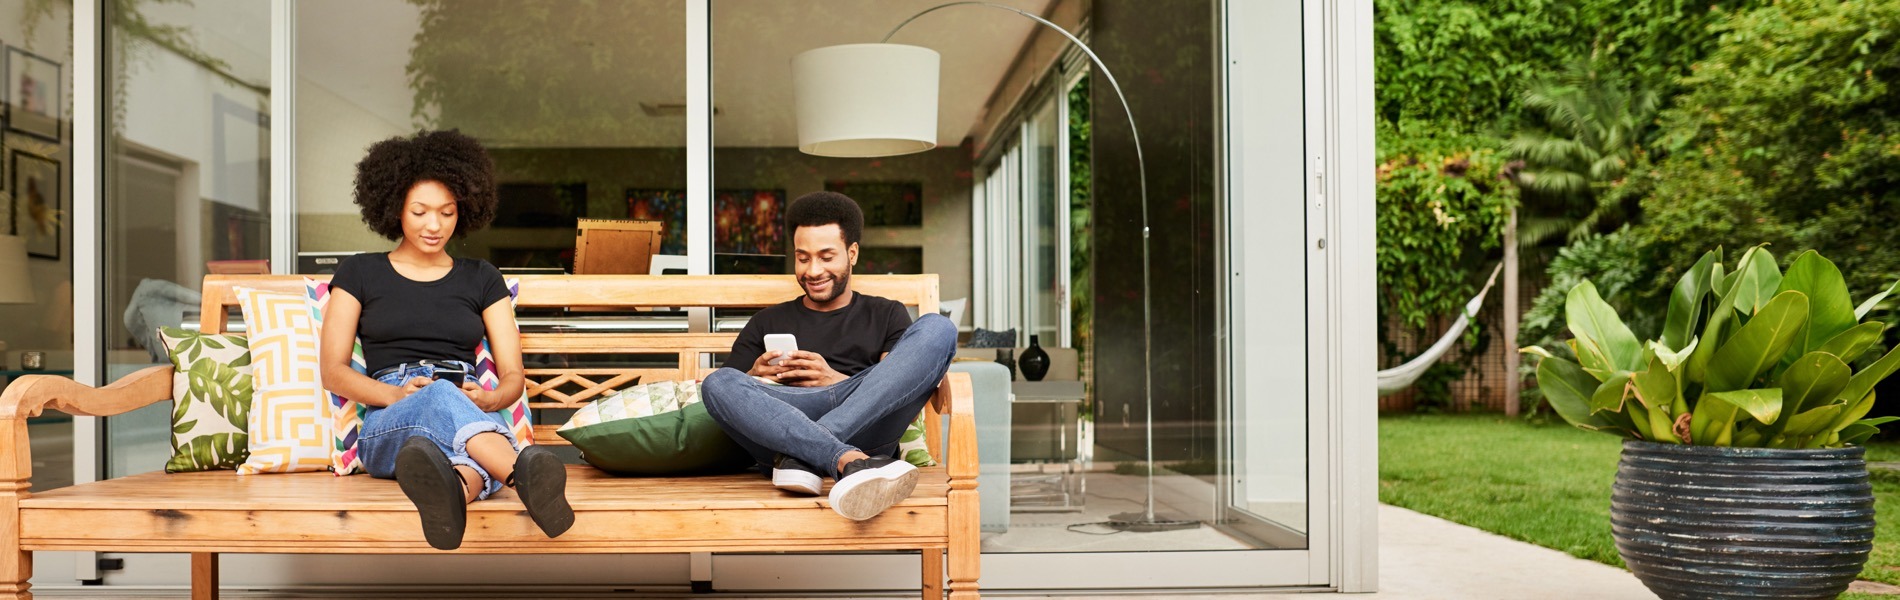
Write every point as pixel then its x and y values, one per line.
pixel 763 367
pixel 808 369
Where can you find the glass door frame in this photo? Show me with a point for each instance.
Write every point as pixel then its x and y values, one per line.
pixel 1342 424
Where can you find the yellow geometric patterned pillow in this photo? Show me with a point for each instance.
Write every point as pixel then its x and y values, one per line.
pixel 290 419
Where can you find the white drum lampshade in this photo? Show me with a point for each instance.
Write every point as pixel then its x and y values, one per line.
pixel 860 100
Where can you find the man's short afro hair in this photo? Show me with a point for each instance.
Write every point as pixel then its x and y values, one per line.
pixel 395 165
pixel 818 209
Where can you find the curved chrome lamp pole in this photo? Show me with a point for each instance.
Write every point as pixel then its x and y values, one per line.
pixel 1145 520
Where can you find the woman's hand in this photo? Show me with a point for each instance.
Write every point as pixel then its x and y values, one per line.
pixel 413 385
pixel 474 393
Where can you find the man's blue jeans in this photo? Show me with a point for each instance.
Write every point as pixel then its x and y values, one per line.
pixel 439 412
pixel 867 412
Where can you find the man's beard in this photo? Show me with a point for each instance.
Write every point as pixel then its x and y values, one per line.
pixel 839 284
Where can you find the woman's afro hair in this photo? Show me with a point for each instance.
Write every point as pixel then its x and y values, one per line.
pixel 818 209
pixel 395 165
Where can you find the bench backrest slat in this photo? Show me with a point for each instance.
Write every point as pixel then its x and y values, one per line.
pixel 555 388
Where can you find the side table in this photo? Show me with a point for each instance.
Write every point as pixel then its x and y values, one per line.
pixel 1045 445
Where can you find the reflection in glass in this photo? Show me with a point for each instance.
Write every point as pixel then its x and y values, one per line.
pixel 36 205
pixel 1035 252
pixel 187 182
pixel 580 104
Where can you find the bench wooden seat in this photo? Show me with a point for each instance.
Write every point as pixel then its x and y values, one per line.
pixel 206 514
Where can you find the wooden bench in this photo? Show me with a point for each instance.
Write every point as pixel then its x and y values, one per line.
pixel 206 514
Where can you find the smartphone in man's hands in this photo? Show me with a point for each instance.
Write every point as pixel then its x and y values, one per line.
pixel 783 344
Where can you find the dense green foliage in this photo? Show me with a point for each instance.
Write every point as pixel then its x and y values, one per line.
pixel 1790 132
pixel 1441 212
pixel 1462 65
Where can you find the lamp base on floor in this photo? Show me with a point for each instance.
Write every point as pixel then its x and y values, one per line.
pixel 1145 523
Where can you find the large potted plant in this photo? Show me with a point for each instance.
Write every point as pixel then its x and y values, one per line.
pixel 1740 475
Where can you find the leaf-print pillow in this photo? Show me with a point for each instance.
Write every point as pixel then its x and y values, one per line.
pixel 912 447
pixel 211 395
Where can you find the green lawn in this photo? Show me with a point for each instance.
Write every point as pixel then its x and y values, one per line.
pixel 1549 484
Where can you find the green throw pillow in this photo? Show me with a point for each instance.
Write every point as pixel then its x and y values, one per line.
pixel 653 429
pixel 211 400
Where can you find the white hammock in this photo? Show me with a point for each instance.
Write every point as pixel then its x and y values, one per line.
pixel 1396 379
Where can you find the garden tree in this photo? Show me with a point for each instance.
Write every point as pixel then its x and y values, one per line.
pixel 1789 132
pixel 1590 128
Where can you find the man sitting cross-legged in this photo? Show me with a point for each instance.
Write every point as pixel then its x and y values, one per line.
pixel 862 372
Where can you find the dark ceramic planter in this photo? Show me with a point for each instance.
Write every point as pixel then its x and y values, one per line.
pixel 1710 522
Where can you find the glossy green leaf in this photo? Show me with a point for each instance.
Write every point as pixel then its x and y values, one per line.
pixel 1813 421
pixel 1568 388
pixel 1863 382
pixel 1850 344
pixel 1673 359
pixel 1764 405
pixel 1685 302
pixel 1867 306
pixel 1609 396
pixel 1813 380
pixel 1755 281
pixel 1830 312
pixel 1604 344
pixel 1759 344
pixel 1854 411
pixel 1858 431
pixel 1656 387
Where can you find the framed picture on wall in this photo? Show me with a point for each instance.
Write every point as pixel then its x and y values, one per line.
pixel 885 204
pixel 33 94
pixel 749 222
pixel 36 207
pixel 907 260
pixel 557 205
pixel 666 206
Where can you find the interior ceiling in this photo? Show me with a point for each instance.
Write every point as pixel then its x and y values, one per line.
pixel 590 82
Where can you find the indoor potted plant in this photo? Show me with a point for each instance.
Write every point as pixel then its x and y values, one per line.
pixel 1741 474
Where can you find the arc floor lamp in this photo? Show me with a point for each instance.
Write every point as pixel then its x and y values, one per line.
pixel 866 100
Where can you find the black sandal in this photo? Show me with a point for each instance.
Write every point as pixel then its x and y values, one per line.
pixel 427 478
pixel 541 480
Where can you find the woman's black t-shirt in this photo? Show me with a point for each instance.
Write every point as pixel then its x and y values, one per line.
pixel 406 320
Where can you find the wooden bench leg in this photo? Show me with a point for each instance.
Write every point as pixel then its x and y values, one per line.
pixel 933 574
pixel 204 576
pixel 966 550
pixel 16 473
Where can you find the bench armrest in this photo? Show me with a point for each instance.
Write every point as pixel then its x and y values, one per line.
pixel 956 399
pixel 30 395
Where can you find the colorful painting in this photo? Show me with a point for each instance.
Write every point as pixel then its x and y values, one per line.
pixel 666 206
pixel 749 222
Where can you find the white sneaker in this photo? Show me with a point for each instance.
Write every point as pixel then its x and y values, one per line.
pixel 867 486
pixel 793 475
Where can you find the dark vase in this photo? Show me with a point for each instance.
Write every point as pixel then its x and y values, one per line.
pixel 1711 522
pixel 1006 357
pixel 1035 361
